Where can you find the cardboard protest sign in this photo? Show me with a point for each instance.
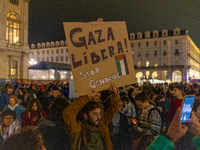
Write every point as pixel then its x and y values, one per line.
pixel 100 54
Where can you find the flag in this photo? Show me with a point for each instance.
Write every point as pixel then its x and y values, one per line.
pixel 121 63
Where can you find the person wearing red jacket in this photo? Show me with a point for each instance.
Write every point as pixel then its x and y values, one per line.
pixel 33 113
pixel 176 101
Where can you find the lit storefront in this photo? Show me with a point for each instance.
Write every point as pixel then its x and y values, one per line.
pixel 50 71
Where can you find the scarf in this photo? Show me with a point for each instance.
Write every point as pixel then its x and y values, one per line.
pixel 8 131
pixel 12 108
pixel 91 128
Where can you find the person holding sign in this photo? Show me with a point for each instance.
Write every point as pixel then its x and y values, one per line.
pixel 92 133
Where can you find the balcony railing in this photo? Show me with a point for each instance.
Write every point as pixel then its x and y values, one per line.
pixel 159 67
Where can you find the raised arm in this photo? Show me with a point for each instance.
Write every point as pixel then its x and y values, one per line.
pixel 69 114
pixel 113 107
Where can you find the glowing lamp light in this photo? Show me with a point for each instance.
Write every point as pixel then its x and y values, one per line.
pixel 16 39
pixel 43 77
pixel 71 77
pixel 62 77
pixel 52 76
pixel 65 72
pixel 32 61
pixel 156 74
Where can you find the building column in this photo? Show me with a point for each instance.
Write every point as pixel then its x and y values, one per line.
pixel 25 25
pixel 3 23
pixel 54 55
pixel 59 55
pixel 45 55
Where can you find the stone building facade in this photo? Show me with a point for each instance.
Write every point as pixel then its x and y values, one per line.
pixel 50 52
pixel 14 48
pixel 169 51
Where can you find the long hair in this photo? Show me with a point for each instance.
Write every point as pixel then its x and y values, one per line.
pixel 24 91
pixel 31 102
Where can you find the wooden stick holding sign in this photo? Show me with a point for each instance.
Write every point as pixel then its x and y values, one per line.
pixel 100 54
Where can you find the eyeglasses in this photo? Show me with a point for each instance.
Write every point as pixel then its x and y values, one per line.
pixel 11 118
pixel 97 114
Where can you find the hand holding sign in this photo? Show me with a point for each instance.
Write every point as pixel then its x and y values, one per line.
pixel 113 89
pixel 94 96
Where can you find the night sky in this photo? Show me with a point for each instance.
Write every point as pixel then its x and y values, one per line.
pixel 46 17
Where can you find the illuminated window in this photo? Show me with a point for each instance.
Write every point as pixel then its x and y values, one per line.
pixel 12 28
pixel 139 63
pixel 155 63
pixel 16 2
pixel 13 67
pixel 147 73
pixel 147 63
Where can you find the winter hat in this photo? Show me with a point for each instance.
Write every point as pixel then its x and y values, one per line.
pixel 41 87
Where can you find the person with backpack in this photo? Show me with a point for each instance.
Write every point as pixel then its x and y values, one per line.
pixel 149 119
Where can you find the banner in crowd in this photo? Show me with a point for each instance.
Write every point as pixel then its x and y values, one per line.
pixel 100 54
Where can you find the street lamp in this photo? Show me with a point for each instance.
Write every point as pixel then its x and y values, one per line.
pixel 32 62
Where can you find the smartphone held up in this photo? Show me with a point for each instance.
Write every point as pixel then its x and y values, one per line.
pixel 187 106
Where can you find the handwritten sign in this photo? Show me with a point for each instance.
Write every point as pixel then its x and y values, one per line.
pixel 100 54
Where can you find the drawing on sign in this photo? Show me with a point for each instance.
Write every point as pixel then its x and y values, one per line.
pixel 122 66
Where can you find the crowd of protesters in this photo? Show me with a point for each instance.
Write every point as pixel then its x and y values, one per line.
pixel 126 118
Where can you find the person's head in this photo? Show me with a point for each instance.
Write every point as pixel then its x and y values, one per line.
pixel 142 100
pixel 28 139
pixel 171 89
pixel 55 92
pixel 159 98
pixel 9 88
pixel 144 142
pixel 125 100
pixel 33 87
pixel 152 96
pixel 196 108
pixel 34 105
pixel 8 117
pixel 58 106
pixel 166 88
pixel 92 113
pixel 131 92
pixel 120 108
pixel 54 82
pixel 22 91
pixel 12 100
pixel 177 90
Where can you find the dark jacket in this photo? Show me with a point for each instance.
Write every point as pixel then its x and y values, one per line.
pixel 25 99
pixel 32 92
pixel 48 103
pixel 4 99
pixel 54 133
pixel 121 140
